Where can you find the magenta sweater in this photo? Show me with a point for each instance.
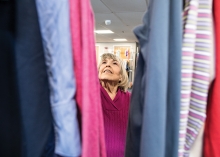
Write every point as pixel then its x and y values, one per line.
pixel 115 113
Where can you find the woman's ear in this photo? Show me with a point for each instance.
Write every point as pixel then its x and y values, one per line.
pixel 120 80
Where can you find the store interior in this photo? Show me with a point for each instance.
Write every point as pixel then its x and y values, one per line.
pixel 114 24
pixel 57 102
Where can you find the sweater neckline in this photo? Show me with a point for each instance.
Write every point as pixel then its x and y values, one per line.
pixel 113 102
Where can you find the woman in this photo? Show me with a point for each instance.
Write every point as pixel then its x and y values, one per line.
pixel 115 103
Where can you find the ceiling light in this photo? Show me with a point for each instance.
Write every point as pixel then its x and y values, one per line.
pixel 103 31
pixel 107 22
pixel 120 39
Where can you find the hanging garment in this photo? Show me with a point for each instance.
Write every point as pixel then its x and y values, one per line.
pixel 197 147
pixel 10 119
pixel 174 77
pixel 212 127
pixel 115 113
pixel 32 80
pixel 200 70
pixel 49 149
pixel 188 49
pixel 154 111
pixel 203 66
pixel 55 30
pixel 85 67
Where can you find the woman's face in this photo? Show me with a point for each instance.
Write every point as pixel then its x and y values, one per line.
pixel 110 70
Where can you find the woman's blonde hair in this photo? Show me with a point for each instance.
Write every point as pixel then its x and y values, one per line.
pixel 123 84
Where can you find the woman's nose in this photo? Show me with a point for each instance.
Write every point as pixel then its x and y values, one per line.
pixel 107 64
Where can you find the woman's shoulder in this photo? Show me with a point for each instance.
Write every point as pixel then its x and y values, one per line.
pixel 126 94
pixel 126 97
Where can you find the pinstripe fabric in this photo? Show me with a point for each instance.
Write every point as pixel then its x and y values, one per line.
pixel 55 29
pixel 195 73
pixel 188 48
pixel 201 73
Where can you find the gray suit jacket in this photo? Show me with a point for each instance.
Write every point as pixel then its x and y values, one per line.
pixel 153 128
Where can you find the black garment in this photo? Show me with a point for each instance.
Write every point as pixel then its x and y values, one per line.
pixel 10 122
pixel 32 80
pixel 49 150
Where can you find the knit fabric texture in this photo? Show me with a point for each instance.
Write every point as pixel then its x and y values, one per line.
pixel 115 113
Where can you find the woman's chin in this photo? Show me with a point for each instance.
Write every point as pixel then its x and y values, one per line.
pixel 108 80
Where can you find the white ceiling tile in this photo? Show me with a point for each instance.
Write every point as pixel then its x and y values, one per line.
pixel 100 18
pixel 100 27
pixel 110 36
pixel 125 15
pixel 131 18
pixel 116 24
pixel 99 7
pixel 126 5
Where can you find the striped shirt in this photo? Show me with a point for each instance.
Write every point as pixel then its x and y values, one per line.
pixel 195 72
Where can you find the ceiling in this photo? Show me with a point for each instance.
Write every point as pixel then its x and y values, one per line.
pixel 125 15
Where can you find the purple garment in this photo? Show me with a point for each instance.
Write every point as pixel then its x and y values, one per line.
pixel 115 113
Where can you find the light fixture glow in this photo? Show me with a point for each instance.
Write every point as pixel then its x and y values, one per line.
pixel 120 39
pixel 103 31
